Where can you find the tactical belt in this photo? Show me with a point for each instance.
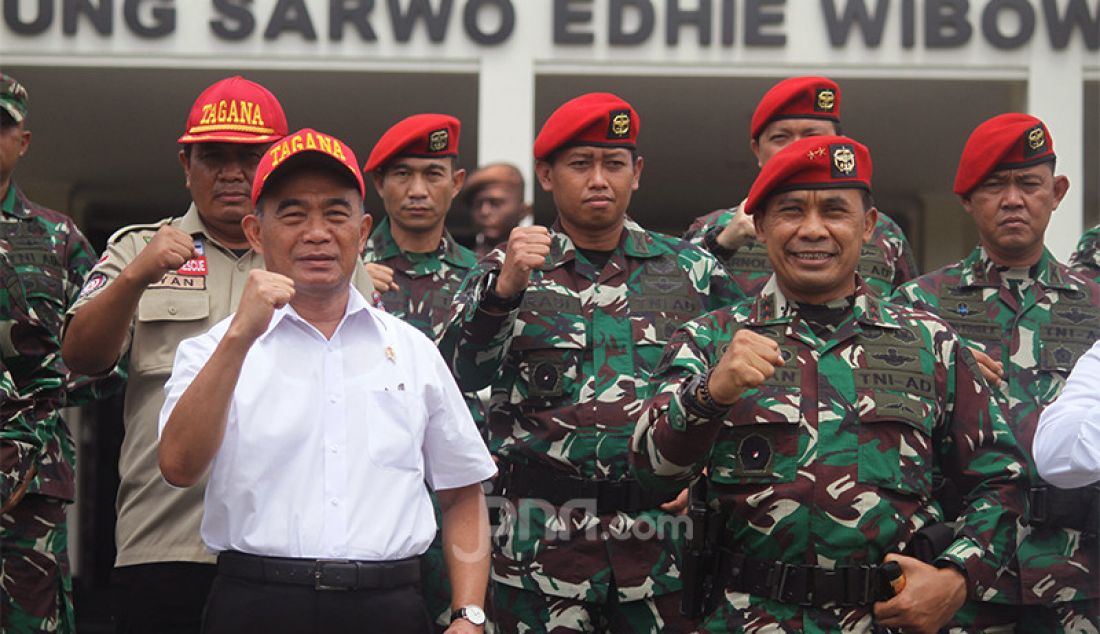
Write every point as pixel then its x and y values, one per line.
pixel 556 488
pixel 1066 508
pixel 321 574
pixel 804 585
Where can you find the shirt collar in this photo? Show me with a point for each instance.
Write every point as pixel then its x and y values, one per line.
pixel 634 241
pixel 356 305
pixel 382 246
pixel 772 307
pixel 979 270
pixel 12 203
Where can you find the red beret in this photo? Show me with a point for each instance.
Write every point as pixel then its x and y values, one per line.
pixel 1004 142
pixel 418 136
pixel 302 142
pixel 819 162
pixel 798 98
pixel 235 110
pixel 598 118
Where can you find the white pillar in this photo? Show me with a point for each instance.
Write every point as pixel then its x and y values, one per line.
pixel 1056 95
pixel 506 112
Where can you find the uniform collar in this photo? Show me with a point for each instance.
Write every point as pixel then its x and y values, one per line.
pixel 772 307
pixel 191 223
pixel 14 203
pixel 383 247
pixel 634 241
pixel 978 270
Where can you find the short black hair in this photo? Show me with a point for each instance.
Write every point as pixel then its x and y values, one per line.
pixel 8 121
pixel 306 162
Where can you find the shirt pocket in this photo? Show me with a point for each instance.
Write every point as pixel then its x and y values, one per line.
pixel 394 426
pixel 547 371
pixel 895 444
pixel 760 440
pixel 164 319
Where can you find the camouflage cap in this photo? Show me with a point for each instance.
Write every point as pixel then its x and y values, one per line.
pixel 13 97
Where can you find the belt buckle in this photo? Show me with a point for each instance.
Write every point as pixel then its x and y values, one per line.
pixel 777 589
pixel 327 575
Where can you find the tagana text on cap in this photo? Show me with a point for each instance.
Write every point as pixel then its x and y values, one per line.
pixel 235 110
pixel 13 97
pixel 599 118
pixel 1007 141
pixel 418 136
pixel 798 98
pixel 303 142
pixel 819 162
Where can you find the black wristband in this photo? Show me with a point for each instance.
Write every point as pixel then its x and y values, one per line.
pixel 710 241
pixel 697 399
pixel 492 300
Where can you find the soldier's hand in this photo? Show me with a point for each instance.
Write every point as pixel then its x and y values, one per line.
pixel 527 250
pixel 750 360
pixel 930 598
pixel 168 249
pixel 678 506
pixel 738 231
pixel 382 276
pixel 993 371
pixel 264 292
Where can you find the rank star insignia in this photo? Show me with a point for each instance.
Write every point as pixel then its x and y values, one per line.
pixel 816 153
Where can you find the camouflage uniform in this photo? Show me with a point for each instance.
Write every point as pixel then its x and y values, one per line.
pixel 35 582
pixel 1086 257
pixel 885 263
pixel 426 285
pixel 1037 327
pixel 51 257
pixel 569 370
pixel 829 463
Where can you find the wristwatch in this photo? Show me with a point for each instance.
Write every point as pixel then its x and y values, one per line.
pixel 471 613
pixel 491 300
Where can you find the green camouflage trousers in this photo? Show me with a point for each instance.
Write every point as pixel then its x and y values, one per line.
pixel 36 587
pixel 515 611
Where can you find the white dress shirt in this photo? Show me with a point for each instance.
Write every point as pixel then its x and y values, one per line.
pixel 328 443
pixel 1067 440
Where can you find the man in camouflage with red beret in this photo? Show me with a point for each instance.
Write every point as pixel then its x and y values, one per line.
pixel 48 257
pixel 565 325
pixel 416 262
pixel 795 108
pixel 157 285
pixel 1028 319
pixel 817 412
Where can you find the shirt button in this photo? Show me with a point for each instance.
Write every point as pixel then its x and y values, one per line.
pixel 332 399
pixel 334 449
pixel 335 502
pixel 171 310
pixel 241 266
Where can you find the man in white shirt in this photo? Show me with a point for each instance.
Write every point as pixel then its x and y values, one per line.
pixel 1067 441
pixel 320 418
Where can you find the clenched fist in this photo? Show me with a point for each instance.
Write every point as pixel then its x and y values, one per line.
pixel 750 360
pixel 738 232
pixel 263 294
pixel 382 276
pixel 527 250
pixel 168 249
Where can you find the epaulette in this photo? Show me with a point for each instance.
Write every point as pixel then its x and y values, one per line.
pixel 116 236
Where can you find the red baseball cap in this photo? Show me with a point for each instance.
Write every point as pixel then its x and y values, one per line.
pixel 798 98
pixel 306 141
pixel 819 162
pixel 599 118
pixel 418 136
pixel 235 110
pixel 1007 141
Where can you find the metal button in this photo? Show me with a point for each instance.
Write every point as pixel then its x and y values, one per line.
pixel 172 310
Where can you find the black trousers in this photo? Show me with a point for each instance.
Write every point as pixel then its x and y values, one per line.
pixel 161 598
pixel 241 605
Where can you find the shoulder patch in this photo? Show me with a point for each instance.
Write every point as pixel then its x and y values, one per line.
pixel 151 227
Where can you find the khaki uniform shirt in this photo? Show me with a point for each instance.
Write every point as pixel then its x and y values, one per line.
pixel 157 522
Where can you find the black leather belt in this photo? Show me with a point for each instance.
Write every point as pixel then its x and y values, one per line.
pixel 543 483
pixel 804 585
pixel 1066 508
pixel 321 574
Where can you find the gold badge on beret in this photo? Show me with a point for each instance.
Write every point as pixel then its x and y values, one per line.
pixel 844 160
pixel 439 140
pixel 1036 138
pixel 619 127
pixel 826 100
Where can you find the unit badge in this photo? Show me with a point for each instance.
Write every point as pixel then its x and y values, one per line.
pixel 619 128
pixel 439 140
pixel 844 161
